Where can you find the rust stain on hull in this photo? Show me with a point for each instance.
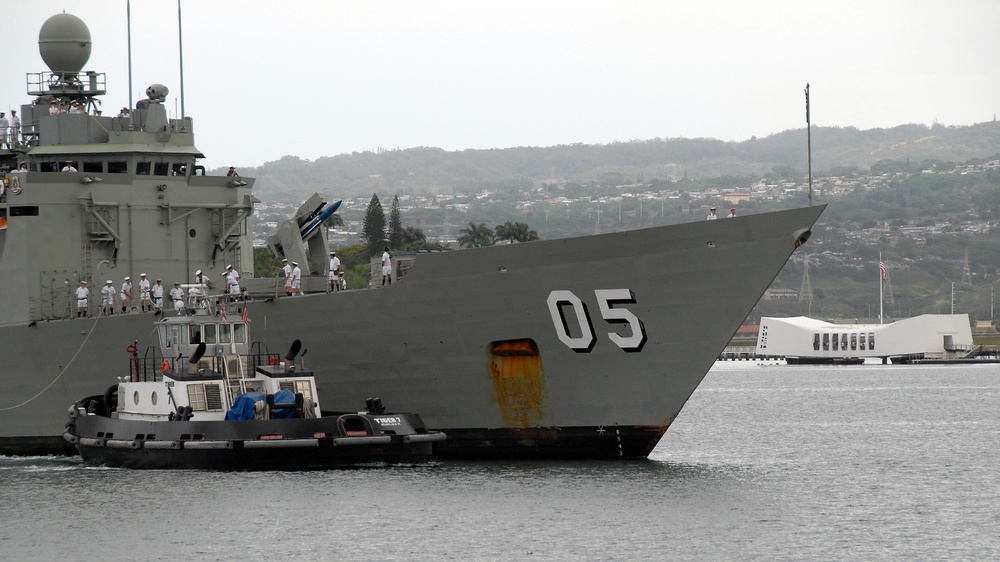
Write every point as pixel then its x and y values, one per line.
pixel 519 382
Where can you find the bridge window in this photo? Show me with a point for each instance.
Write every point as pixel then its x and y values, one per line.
pixel 161 168
pixel 118 167
pixel 142 168
pixel 92 167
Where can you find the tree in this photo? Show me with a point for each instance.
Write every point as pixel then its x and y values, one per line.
pixel 476 236
pixel 395 225
pixel 413 236
pixel 515 232
pixel 373 229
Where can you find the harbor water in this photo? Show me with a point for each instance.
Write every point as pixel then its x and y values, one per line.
pixel 766 462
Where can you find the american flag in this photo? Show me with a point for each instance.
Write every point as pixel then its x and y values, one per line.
pixel 885 275
pixel 246 315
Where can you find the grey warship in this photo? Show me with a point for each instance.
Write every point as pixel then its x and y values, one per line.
pixel 580 348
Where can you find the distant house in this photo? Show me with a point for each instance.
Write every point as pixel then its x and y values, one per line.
pixel 776 294
pixel 736 198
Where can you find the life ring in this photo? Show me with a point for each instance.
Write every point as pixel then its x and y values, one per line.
pixel 164 367
pixel 132 349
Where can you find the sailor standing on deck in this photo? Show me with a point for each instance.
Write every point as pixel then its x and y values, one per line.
pixel 82 299
pixel 108 298
pixel 177 296
pixel 334 272
pixel 732 214
pixel 233 280
pixel 15 129
pixel 386 266
pixel 126 294
pixel 296 278
pixel 4 125
pixel 204 284
pixel 711 214
pixel 288 276
pixel 144 290
pixel 158 296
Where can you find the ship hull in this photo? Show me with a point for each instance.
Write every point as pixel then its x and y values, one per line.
pixel 574 348
pixel 293 444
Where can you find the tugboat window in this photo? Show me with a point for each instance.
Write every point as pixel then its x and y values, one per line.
pixel 239 333
pixel 210 333
pixel 225 335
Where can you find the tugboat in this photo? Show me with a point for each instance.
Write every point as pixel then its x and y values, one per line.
pixel 211 400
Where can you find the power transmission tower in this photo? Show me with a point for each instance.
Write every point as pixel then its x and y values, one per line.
pixel 806 291
pixel 966 272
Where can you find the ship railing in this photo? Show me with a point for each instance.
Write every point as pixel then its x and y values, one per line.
pixel 152 365
pixel 66 84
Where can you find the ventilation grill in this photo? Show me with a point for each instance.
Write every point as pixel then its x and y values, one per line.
pixel 213 397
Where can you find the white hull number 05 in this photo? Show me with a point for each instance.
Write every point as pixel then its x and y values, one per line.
pixel 561 302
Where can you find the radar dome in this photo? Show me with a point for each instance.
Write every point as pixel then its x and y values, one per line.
pixel 64 43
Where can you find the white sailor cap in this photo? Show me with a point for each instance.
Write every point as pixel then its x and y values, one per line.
pixel 110 282
pixel 295 263
pixel 229 267
pixel 142 275
pixel 197 272
pixel 284 259
pixel 127 278
pixel 83 282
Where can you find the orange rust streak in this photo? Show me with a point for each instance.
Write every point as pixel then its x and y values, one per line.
pixel 519 384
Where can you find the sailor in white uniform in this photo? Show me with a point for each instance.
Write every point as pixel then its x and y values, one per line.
pixel 158 296
pixel 108 298
pixel 711 214
pixel 144 293
pixel 296 279
pixel 82 299
pixel 126 294
pixel 177 296
pixel 334 272
pixel 233 281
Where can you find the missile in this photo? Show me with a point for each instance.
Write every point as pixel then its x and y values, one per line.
pixel 320 219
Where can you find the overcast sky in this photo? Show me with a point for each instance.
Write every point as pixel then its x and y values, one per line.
pixel 263 79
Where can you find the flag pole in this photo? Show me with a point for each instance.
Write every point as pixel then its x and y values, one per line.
pixel 881 285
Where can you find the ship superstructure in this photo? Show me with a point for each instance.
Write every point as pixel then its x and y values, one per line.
pixel 91 197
